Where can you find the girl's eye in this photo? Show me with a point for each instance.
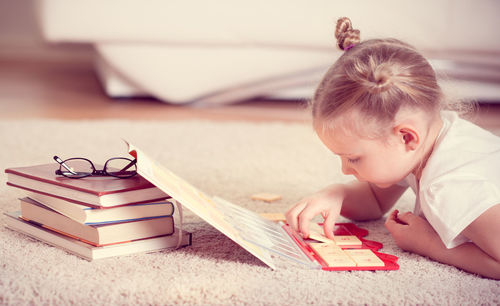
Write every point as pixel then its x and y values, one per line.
pixel 353 160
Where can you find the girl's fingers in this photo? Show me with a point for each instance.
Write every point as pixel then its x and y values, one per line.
pixel 329 224
pixel 392 220
pixel 394 214
pixel 305 218
pixel 293 213
pixel 406 218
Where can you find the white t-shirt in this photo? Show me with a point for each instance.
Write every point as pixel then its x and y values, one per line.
pixel 461 179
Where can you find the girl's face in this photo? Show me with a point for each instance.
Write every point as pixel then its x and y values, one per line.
pixel 383 162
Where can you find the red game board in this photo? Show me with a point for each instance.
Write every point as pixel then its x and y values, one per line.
pixel 347 229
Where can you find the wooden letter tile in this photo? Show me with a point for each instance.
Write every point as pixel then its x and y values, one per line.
pixel 332 255
pixel 347 241
pixel 266 197
pixel 276 217
pixel 365 258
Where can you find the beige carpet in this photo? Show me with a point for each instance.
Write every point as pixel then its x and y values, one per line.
pixel 231 160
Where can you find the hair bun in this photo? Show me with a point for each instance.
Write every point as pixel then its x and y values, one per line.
pixel 381 77
pixel 346 36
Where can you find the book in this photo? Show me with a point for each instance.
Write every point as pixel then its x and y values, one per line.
pixel 99 215
pixel 90 252
pixel 102 191
pixel 259 236
pixel 98 235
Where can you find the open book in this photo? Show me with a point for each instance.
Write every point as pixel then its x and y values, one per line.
pixel 257 235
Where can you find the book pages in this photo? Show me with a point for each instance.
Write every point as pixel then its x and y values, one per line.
pixel 196 201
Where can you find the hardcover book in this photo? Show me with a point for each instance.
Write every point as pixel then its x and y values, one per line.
pixel 99 215
pixel 90 252
pixel 102 191
pixel 97 235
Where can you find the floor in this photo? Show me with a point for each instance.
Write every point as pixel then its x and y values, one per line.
pixel 70 90
pixel 34 89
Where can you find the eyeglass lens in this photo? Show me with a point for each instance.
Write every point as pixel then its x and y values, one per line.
pixel 78 167
pixel 120 167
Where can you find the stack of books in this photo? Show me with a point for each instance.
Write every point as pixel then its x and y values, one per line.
pixel 96 216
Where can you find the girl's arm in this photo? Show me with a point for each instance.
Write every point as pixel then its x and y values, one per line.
pixel 356 201
pixel 482 255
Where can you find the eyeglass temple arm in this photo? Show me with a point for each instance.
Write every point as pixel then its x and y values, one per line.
pixel 60 162
pixel 133 162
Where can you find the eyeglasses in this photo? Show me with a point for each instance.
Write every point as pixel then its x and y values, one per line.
pixel 78 167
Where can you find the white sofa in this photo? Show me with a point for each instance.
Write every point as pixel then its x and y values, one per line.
pixel 184 51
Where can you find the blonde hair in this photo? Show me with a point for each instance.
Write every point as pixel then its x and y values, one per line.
pixel 376 78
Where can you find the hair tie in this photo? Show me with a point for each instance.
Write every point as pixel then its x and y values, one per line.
pixel 345 34
pixel 349 47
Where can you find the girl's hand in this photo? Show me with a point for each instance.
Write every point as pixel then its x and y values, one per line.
pixel 326 202
pixel 412 233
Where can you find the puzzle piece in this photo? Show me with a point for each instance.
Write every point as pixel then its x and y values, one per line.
pixel 317 233
pixel 326 248
pixel 320 237
pixel 365 258
pixel 276 217
pixel 266 197
pixel 332 255
pixel 351 241
pixel 335 256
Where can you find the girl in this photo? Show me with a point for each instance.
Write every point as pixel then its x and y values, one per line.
pixel 380 109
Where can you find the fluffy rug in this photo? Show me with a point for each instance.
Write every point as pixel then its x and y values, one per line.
pixel 232 160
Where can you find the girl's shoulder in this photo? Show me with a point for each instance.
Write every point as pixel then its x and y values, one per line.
pixel 458 130
pixel 463 149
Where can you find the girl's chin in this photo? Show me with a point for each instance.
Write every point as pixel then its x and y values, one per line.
pixel 379 185
pixel 383 185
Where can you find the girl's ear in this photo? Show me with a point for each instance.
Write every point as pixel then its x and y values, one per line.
pixel 408 136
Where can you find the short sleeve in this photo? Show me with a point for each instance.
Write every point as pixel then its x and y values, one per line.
pixel 450 205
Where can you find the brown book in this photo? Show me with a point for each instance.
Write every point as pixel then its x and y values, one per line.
pixel 102 191
pixel 97 235
pixel 88 251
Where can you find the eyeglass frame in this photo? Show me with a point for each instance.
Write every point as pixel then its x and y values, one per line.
pixel 95 172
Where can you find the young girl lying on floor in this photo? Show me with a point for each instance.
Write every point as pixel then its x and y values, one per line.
pixel 380 109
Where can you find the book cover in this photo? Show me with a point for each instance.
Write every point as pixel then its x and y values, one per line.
pixel 93 215
pixel 90 252
pixel 98 235
pixel 208 208
pixel 256 234
pixel 93 190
